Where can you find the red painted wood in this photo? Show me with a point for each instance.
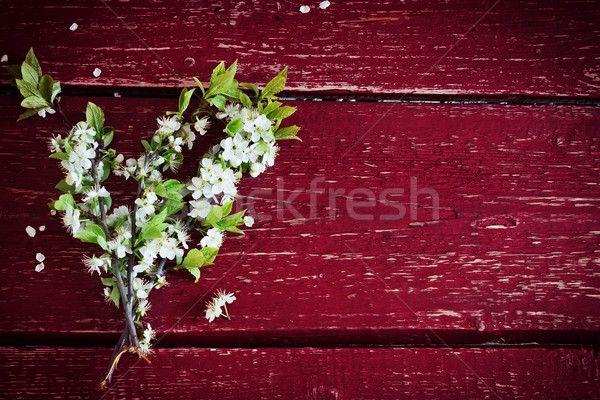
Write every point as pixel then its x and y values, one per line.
pixel 532 171
pixel 304 373
pixel 528 48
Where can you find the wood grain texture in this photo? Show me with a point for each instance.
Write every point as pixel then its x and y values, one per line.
pixel 513 257
pixel 431 47
pixel 305 373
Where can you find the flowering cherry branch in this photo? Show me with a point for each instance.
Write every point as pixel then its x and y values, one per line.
pixel 139 243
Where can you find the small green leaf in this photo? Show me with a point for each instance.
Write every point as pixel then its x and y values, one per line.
pixel 55 91
pixel 64 187
pixel 219 69
pixel 173 185
pixel 29 74
pixel 221 84
pixel 150 233
pixel 251 86
pixel 64 201
pixel 234 126
pixel 59 156
pixel 27 89
pixel 209 253
pixel 275 86
pixel 218 101
pixel 14 71
pixel 115 295
pixel 34 102
pixel 246 102
pixel 273 105
pixel 95 117
pixel 193 259
pixel 27 113
pixel 200 86
pixel 32 60
pixel 147 146
pixel 184 99
pixel 215 214
pixel 281 113
pixel 45 87
pixel 226 208
pixel 102 243
pixel 288 133
pixel 109 134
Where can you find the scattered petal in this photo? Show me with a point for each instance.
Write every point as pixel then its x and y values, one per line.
pixel 73 27
pixel 97 72
pixel 4 58
pixel 42 228
pixel 324 4
pixel 30 231
pixel 117 94
pixel 40 257
pixel 248 221
pixel 304 9
pixel 52 212
pixel 39 267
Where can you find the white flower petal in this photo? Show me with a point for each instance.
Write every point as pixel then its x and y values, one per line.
pixel 97 72
pixel 324 4
pixel 40 257
pixel 39 267
pixel 304 9
pixel 42 228
pixel 30 231
pixel 73 27
pixel 4 58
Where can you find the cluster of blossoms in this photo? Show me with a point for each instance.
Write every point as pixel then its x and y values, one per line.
pixel 140 243
pixel 218 305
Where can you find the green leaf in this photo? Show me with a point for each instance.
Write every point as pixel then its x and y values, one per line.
pixel 29 74
pixel 108 281
pixel 219 69
pixel 251 86
pixel 64 201
pixel 95 117
pixel 246 102
pixel 272 106
pixel 209 253
pixel 27 88
pixel 150 233
pixel 109 134
pixel 147 146
pixel 196 272
pixel 173 185
pixel 158 218
pixel 115 295
pixel 200 86
pixel 281 113
pixel 173 207
pixel 234 126
pixel 226 208
pixel 45 87
pixel 184 99
pixel 102 243
pixel 64 187
pixel 59 156
pixel 14 71
pixel 32 60
pixel 55 91
pixel 220 84
pixel 218 101
pixel 288 133
pixel 275 86
pixel 160 190
pixel 27 113
pixel 232 68
pixel 215 214
pixel 34 102
pixel 193 259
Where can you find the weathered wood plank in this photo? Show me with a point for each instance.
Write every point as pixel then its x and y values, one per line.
pixel 512 258
pixel 304 373
pixel 433 47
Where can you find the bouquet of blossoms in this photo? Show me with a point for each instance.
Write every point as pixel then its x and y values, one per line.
pixel 138 244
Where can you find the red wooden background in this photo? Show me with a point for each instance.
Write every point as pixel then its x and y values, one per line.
pixel 498 298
